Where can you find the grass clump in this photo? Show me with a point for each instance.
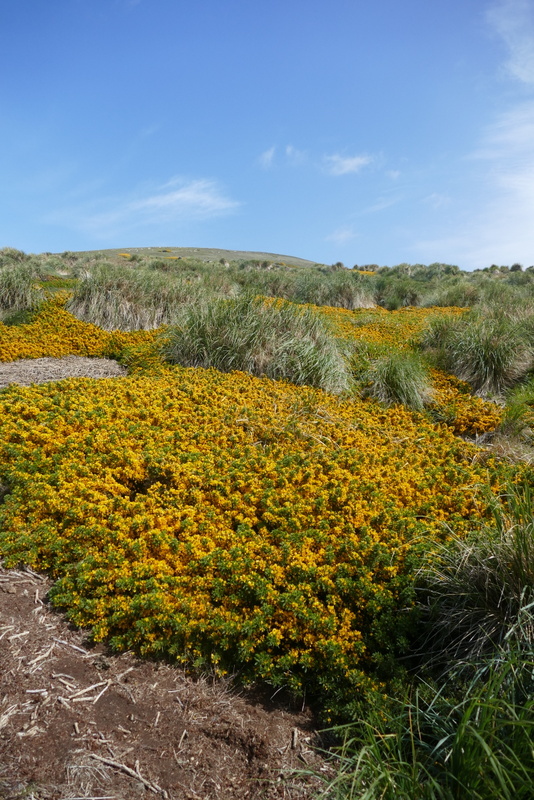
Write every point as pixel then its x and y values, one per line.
pixel 10 256
pixel 481 589
pixel 116 298
pixel 392 377
pixel 439 747
pixel 276 340
pixel 491 353
pixel 19 290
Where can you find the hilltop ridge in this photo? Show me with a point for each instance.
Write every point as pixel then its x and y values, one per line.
pixel 208 254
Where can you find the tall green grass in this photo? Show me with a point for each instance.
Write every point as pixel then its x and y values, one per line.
pixel 19 288
pixel 436 745
pixel 127 298
pixel 391 376
pixel 492 352
pixel 480 590
pixel 275 339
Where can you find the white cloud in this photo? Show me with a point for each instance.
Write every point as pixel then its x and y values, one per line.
pixel 343 165
pixel 294 155
pixel 200 198
pixel 342 235
pixel 437 200
pixel 175 202
pixel 513 21
pixel 501 231
pixel 394 174
pixel 267 157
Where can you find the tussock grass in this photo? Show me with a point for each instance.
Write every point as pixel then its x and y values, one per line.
pixel 278 340
pixel 117 298
pixel 392 377
pixel 10 256
pixel 458 293
pixel 433 747
pixel 514 438
pixel 481 589
pixel 491 353
pixel 19 290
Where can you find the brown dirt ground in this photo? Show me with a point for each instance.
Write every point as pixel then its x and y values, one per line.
pixel 77 721
pixel 42 370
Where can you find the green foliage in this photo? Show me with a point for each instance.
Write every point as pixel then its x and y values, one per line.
pixel 19 290
pixel 116 298
pixel 436 746
pixel 392 377
pixel 278 340
pixel 518 418
pixel 460 293
pixel 480 589
pixel 492 353
pixel 10 255
pixel 394 293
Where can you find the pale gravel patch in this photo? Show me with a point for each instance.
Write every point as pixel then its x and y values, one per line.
pixel 43 370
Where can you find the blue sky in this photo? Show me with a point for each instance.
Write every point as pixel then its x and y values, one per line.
pixel 334 130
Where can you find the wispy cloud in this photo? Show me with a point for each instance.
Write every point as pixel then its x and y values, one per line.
pixel 175 202
pixel 501 231
pixel 267 157
pixel 335 164
pixel 513 21
pixel 344 165
pixel 294 155
pixel 381 204
pixel 342 235
pixel 437 200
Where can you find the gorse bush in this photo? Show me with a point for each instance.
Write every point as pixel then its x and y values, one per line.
pixel 225 521
pixel 275 339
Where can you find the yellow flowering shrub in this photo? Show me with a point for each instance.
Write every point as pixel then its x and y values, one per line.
pixel 229 520
pixel 453 402
pixel 232 521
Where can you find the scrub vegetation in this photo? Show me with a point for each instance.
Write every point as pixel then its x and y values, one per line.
pixel 312 477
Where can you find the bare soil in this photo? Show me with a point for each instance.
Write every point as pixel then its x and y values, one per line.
pixel 77 721
pixel 43 370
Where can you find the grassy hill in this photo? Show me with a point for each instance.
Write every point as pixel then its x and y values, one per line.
pixel 205 254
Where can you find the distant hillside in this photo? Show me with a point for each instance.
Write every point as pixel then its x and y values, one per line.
pixel 208 254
